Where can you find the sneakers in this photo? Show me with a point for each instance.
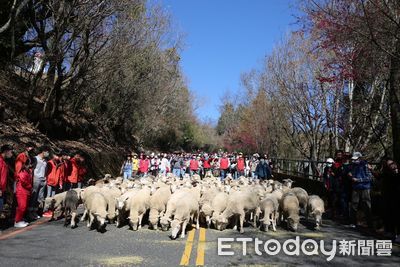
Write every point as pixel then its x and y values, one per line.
pixel 47 214
pixel 21 224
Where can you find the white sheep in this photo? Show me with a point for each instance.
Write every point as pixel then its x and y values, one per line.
pixel 139 203
pixel 96 208
pixel 55 204
pixel 289 211
pixel 301 195
pixel 218 205
pixel 123 207
pixel 186 209
pixel 269 208
pixel 238 204
pixel 315 208
pixel 171 208
pixel 111 194
pixel 158 204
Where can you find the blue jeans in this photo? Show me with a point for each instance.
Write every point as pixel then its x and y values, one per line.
pixel 177 172
pixel 127 174
pixel 223 174
pixel 51 190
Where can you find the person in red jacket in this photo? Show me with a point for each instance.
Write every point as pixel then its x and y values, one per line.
pixel 194 166
pixel 224 166
pixel 240 164
pixel 144 165
pixel 53 175
pixel 206 164
pixel 6 152
pixel 23 158
pixel 74 171
pixel 23 192
pixel 65 170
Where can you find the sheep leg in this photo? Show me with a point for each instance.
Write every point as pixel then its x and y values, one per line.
pixel 236 222
pixel 198 220
pixel 183 228
pixel 140 221
pixel 208 221
pixel 90 221
pixel 241 220
pixel 84 215
pixel 274 222
pixel 73 217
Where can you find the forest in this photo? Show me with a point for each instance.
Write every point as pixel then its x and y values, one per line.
pixel 112 71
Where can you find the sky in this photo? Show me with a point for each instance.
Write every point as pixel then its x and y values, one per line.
pixel 224 39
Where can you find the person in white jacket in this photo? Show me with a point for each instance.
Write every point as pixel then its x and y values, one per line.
pixel 164 165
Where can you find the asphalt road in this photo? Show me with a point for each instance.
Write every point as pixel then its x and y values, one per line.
pixel 51 244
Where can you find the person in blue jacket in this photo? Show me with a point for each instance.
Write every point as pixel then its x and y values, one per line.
pixel 361 178
pixel 263 170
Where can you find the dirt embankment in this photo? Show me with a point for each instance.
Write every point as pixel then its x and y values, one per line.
pixel 102 156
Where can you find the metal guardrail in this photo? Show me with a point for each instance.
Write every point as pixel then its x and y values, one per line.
pixel 303 168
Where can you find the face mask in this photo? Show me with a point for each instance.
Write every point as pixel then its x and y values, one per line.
pixel 329 164
pixel 46 154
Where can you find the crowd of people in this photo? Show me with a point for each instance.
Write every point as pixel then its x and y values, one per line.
pixel 180 164
pixel 37 173
pixel 349 179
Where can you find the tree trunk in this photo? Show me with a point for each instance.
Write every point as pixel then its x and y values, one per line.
pixel 394 97
pixel 350 125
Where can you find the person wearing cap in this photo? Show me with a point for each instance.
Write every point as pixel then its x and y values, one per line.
pixel 135 165
pixel 263 170
pixel 224 166
pixel 329 184
pixel 339 172
pixel 361 178
pixel 127 167
pixel 6 152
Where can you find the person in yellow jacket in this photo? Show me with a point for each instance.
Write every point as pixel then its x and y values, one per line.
pixel 135 165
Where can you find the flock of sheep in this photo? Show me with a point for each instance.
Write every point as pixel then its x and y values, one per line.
pixel 174 203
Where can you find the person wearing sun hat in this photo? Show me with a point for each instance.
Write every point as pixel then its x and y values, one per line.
pixel 361 178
